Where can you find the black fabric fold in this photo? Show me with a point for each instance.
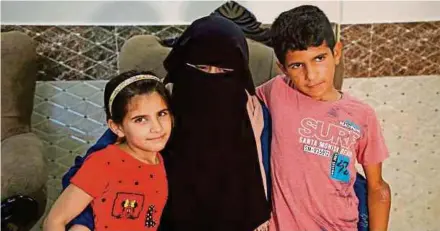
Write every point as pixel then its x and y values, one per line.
pixel 212 162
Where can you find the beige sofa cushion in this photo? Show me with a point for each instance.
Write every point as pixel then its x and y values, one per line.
pixel 18 76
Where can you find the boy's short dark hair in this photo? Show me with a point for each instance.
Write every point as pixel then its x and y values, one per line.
pixel 300 28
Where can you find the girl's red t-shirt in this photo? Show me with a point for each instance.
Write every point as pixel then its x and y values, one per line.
pixel 128 194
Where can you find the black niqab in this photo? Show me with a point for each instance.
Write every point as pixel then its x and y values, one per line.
pixel 212 165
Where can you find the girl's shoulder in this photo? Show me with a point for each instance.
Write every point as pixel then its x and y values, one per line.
pixel 102 156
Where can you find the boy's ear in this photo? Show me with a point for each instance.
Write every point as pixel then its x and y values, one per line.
pixel 116 128
pixel 281 67
pixel 337 52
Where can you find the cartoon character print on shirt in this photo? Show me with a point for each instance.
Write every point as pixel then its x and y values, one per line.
pixel 149 221
pixel 127 205
pixel 331 140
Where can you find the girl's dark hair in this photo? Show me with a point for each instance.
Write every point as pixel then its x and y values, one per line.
pixel 300 28
pixel 120 103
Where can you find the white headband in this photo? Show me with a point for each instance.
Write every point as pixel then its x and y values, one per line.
pixel 126 83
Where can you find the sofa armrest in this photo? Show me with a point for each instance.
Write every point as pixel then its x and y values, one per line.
pixel 23 167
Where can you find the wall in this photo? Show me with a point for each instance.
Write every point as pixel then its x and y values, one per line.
pixel 361 12
pixel 137 12
pixel 184 12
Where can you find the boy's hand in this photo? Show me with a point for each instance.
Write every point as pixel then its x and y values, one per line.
pixel 255 113
pixel 263 227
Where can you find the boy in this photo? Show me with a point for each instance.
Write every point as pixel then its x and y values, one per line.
pixel 319 133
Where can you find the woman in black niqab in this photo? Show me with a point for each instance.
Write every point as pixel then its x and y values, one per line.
pixel 212 165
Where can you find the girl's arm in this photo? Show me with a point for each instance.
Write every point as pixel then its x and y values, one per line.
pixel 84 221
pixel 379 198
pixel 71 202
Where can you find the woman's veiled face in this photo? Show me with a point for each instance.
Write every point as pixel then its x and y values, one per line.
pixel 210 69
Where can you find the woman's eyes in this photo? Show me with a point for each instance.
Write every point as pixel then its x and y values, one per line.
pixel 211 69
pixel 225 70
pixel 203 68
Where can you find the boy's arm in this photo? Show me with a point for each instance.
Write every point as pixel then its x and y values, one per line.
pixel 262 93
pixel 379 197
pixel 71 202
pixel 255 113
pixel 372 152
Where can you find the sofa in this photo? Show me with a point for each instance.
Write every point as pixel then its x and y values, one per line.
pixel 23 167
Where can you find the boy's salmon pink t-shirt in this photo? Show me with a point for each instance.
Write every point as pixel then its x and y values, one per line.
pixel 127 193
pixel 314 148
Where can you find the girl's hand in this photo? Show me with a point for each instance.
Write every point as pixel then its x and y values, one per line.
pixel 255 113
pixel 72 201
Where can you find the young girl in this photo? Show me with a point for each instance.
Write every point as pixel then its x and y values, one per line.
pixel 125 183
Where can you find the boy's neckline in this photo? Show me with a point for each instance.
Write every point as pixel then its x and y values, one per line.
pixel 286 81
